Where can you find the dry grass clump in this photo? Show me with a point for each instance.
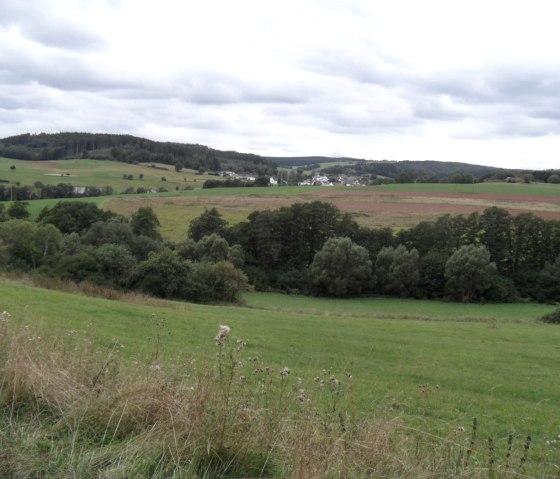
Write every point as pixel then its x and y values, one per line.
pixel 67 411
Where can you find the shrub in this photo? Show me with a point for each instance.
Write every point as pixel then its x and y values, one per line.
pixel 553 317
pixel 215 282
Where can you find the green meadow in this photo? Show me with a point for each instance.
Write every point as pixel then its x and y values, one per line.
pixel 492 362
pixel 85 172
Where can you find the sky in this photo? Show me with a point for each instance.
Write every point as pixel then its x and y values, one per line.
pixel 472 81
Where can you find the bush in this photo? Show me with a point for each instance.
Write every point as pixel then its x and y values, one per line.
pixel 553 317
pixel 219 282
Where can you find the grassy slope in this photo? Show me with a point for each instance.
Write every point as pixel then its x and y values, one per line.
pixel 97 173
pixel 504 373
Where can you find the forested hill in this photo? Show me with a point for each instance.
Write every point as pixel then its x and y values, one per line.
pixel 129 149
pixel 132 149
pixel 439 169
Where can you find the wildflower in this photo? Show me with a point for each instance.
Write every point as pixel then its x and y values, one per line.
pixel 155 367
pixel 284 373
pixel 220 338
pixel 242 379
pixel 460 429
pixel 5 316
pixel 241 344
pixel 301 395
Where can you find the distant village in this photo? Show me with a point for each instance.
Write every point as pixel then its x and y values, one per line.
pixel 315 180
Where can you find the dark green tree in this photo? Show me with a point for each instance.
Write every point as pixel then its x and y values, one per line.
pixel 215 283
pixel 18 210
pixel 432 274
pixel 262 181
pixel 144 222
pixel 114 263
pixel 496 229
pixel 72 216
pixel 29 245
pixel 3 213
pixel 548 282
pixel 469 272
pixel 396 271
pixel 341 268
pixel 207 223
pixel 163 274
pixel 212 248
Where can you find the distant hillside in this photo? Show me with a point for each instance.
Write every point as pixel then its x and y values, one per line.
pixel 129 149
pixel 387 168
pixel 289 161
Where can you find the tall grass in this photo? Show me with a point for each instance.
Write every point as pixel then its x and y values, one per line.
pixel 68 410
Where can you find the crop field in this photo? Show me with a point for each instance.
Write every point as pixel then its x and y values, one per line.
pixel 493 362
pixel 83 172
pixel 395 206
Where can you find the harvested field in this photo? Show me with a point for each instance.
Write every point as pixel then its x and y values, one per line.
pixel 369 207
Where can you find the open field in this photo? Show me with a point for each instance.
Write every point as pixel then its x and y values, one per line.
pixel 395 206
pixel 83 172
pixel 390 308
pixel 388 205
pixel 435 375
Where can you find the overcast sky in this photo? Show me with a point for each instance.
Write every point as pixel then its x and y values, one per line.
pixel 474 81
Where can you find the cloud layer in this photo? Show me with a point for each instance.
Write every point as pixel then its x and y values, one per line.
pixel 351 78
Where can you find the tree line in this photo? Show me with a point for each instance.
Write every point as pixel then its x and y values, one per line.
pixel 77 241
pixel 47 191
pixel 519 255
pixel 311 248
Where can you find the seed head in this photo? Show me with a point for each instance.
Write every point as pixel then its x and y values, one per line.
pixel 220 338
pixel 284 373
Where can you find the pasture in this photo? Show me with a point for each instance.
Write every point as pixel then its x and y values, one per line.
pixel 492 362
pixel 85 172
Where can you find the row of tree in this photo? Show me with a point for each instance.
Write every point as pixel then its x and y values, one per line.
pixel 78 242
pixel 312 248
pixel 41 191
pixel 280 247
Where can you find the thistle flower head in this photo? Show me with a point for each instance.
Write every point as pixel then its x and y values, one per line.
pixel 284 373
pixel 220 338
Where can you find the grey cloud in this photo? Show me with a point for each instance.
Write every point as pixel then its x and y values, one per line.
pixel 63 35
pixel 212 88
pixel 62 70
pixel 43 24
pixel 363 69
pixel 500 91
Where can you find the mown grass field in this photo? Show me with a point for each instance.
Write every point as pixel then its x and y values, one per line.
pixel 498 365
pixel 84 172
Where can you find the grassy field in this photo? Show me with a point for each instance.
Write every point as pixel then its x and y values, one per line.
pixel 499 365
pixel 396 206
pixel 100 173
pixel 391 308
